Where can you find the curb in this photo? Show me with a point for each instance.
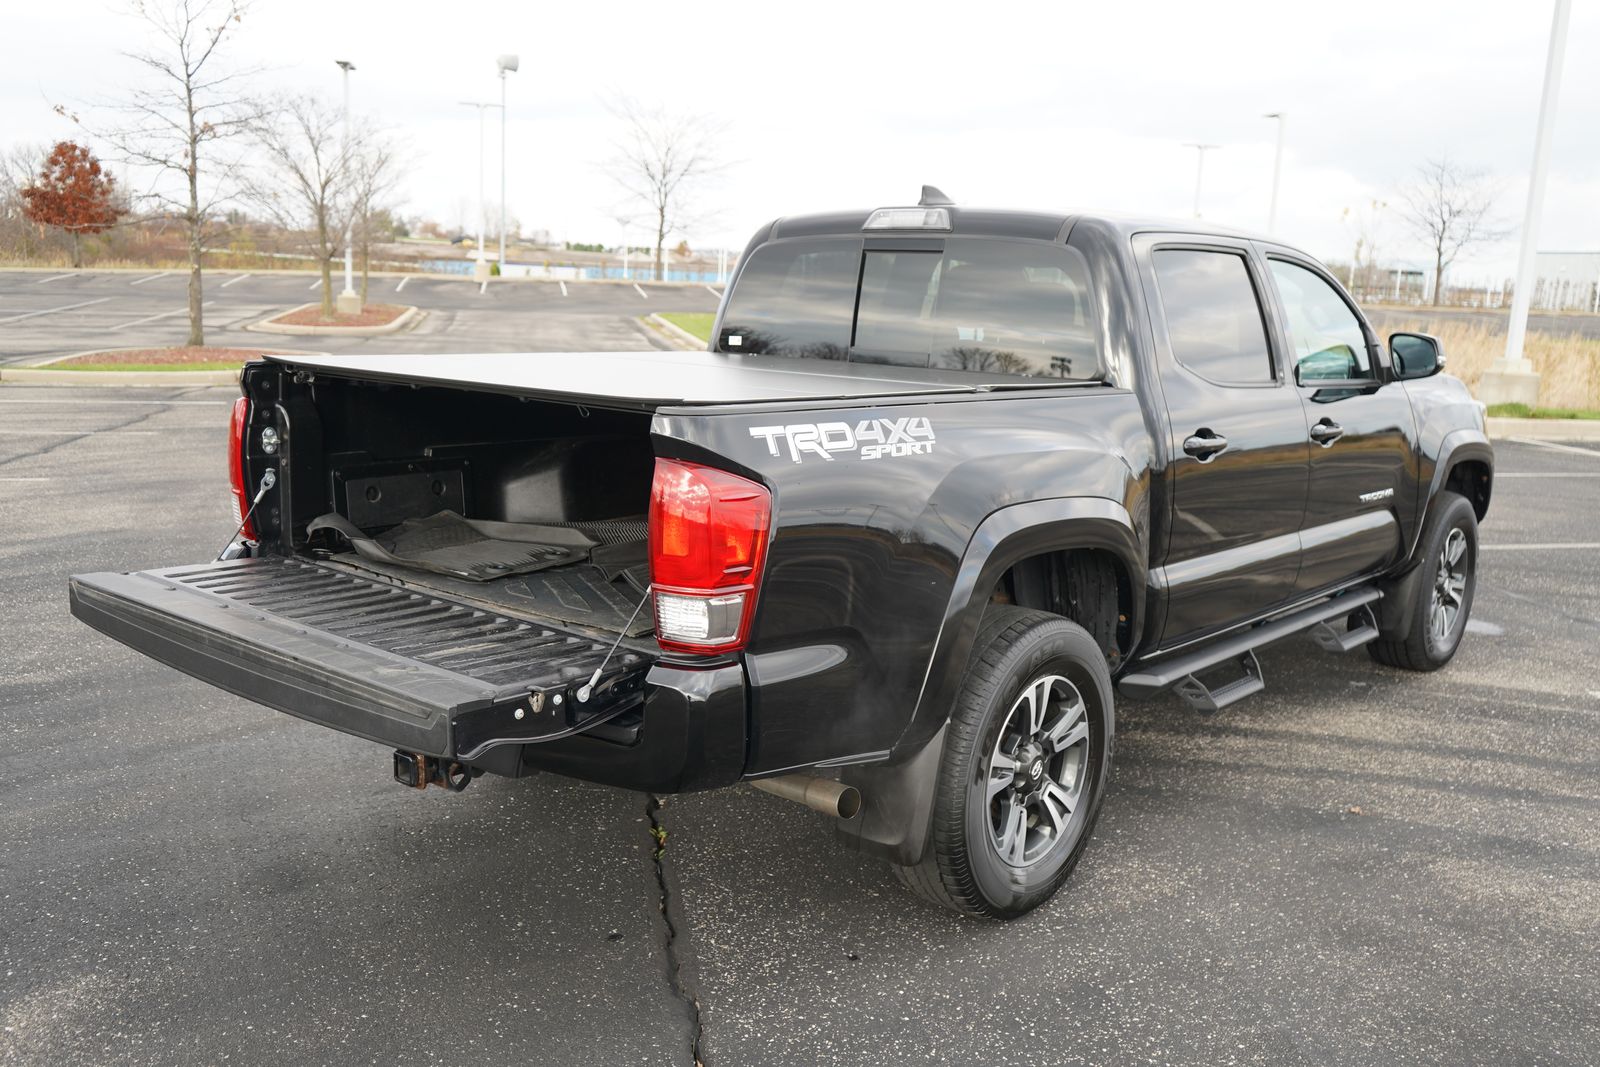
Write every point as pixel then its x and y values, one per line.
pixel 675 333
pixel 1545 429
pixel 410 315
pixel 30 376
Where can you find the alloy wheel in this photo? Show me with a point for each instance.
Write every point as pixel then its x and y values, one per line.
pixel 1449 586
pixel 1036 771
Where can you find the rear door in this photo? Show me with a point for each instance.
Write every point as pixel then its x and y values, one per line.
pixel 1358 423
pixel 1236 448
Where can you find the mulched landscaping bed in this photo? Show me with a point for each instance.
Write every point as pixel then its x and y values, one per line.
pixel 371 315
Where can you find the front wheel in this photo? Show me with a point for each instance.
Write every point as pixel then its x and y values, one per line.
pixel 1026 757
pixel 1443 599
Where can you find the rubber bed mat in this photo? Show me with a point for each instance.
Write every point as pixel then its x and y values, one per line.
pixel 449 544
pixel 579 593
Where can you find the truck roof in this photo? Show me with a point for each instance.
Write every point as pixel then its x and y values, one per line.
pixel 1004 222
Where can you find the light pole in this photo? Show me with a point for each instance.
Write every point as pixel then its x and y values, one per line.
pixel 349 300
pixel 1511 378
pixel 481 271
pixel 1200 151
pixel 1277 172
pixel 507 65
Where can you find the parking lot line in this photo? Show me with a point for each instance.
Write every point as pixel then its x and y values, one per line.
pixel 563 286
pixel 314 284
pixel 640 291
pixel 1541 548
pixel 484 287
pixel 1555 447
pixel 98 403
pixel 714 292
pixel 55 278
pixel 6 478
pixel 78 433
pixel 152 318
pixel 150 278
pixel 402 284
pixel 52 311
pixel 231 281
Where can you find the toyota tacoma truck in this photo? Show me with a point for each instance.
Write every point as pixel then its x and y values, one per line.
pixel 945 484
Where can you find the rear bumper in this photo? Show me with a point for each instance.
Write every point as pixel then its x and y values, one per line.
pixel 423 673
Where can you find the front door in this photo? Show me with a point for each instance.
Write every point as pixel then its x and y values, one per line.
pixel 1360 428
pixel 1237 446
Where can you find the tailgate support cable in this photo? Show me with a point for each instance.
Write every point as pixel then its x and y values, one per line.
pixel 268 479
pixel 588 687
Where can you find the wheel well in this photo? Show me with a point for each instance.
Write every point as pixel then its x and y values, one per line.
pixel 1471 478
pixel 1090 586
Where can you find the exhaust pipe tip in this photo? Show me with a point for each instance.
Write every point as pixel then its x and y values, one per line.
pixel 819 794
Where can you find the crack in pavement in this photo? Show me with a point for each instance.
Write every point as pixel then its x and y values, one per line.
pixel 675 968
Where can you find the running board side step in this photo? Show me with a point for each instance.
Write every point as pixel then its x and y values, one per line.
pixel 1360 629
pixel 1204 699
pixel 1182 672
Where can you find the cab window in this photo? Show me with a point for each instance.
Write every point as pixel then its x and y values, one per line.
pixel 1325 336
pixel 1214 321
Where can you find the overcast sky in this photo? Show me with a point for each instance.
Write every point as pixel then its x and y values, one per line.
pixel 1052 105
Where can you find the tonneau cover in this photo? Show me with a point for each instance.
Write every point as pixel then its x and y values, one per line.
pixel 650 380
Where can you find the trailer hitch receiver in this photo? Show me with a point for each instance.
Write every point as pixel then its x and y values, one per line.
pixel 416 771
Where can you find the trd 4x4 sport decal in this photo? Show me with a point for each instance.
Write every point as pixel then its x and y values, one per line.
pixel 869 438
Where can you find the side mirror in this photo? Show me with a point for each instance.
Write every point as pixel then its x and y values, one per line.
pixel 1416 355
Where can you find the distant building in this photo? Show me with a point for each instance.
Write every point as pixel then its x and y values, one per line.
pixel 1567 281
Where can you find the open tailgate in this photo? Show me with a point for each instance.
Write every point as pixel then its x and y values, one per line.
pixel 395 665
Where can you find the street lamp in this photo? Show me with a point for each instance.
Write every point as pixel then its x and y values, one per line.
pixel 349 300
pixel 482 270
pixel 1200 151
pixel 1277 171
pixel 507 65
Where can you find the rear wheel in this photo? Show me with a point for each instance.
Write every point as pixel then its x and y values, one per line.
pixel 1443 597
pixel 1026 757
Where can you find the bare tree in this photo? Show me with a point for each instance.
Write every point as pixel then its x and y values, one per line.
pixel 20 236
pixel 177 121
pixel 661 160
pixel 375 167
pixel 1451 207
pixel 305 181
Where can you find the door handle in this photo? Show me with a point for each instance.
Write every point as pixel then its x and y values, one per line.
pixel 1326 432
pixel 1204 444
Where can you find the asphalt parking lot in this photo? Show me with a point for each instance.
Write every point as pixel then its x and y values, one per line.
pixel 55 313
pixel 1358 866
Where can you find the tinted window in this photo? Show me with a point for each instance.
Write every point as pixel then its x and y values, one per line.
pixel 982 305
pixel 794 298
pixel 1325 334
pixel 1213 318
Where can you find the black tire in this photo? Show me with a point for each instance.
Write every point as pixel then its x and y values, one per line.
pixel 1018 651
pixel 1426 645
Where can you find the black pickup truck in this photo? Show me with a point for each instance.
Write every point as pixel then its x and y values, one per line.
pixel 946 482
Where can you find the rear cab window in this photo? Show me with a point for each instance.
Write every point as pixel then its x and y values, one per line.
pixel 983 305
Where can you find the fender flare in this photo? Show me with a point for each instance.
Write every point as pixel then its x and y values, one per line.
pixel 1457 447
pixel 1002 540
pixel 1400 589
pixel 898 796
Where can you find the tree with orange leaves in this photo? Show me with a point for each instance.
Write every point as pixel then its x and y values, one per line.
pixel 73 193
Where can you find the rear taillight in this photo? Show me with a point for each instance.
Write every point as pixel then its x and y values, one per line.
pixel 238 425
pixel 708 540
